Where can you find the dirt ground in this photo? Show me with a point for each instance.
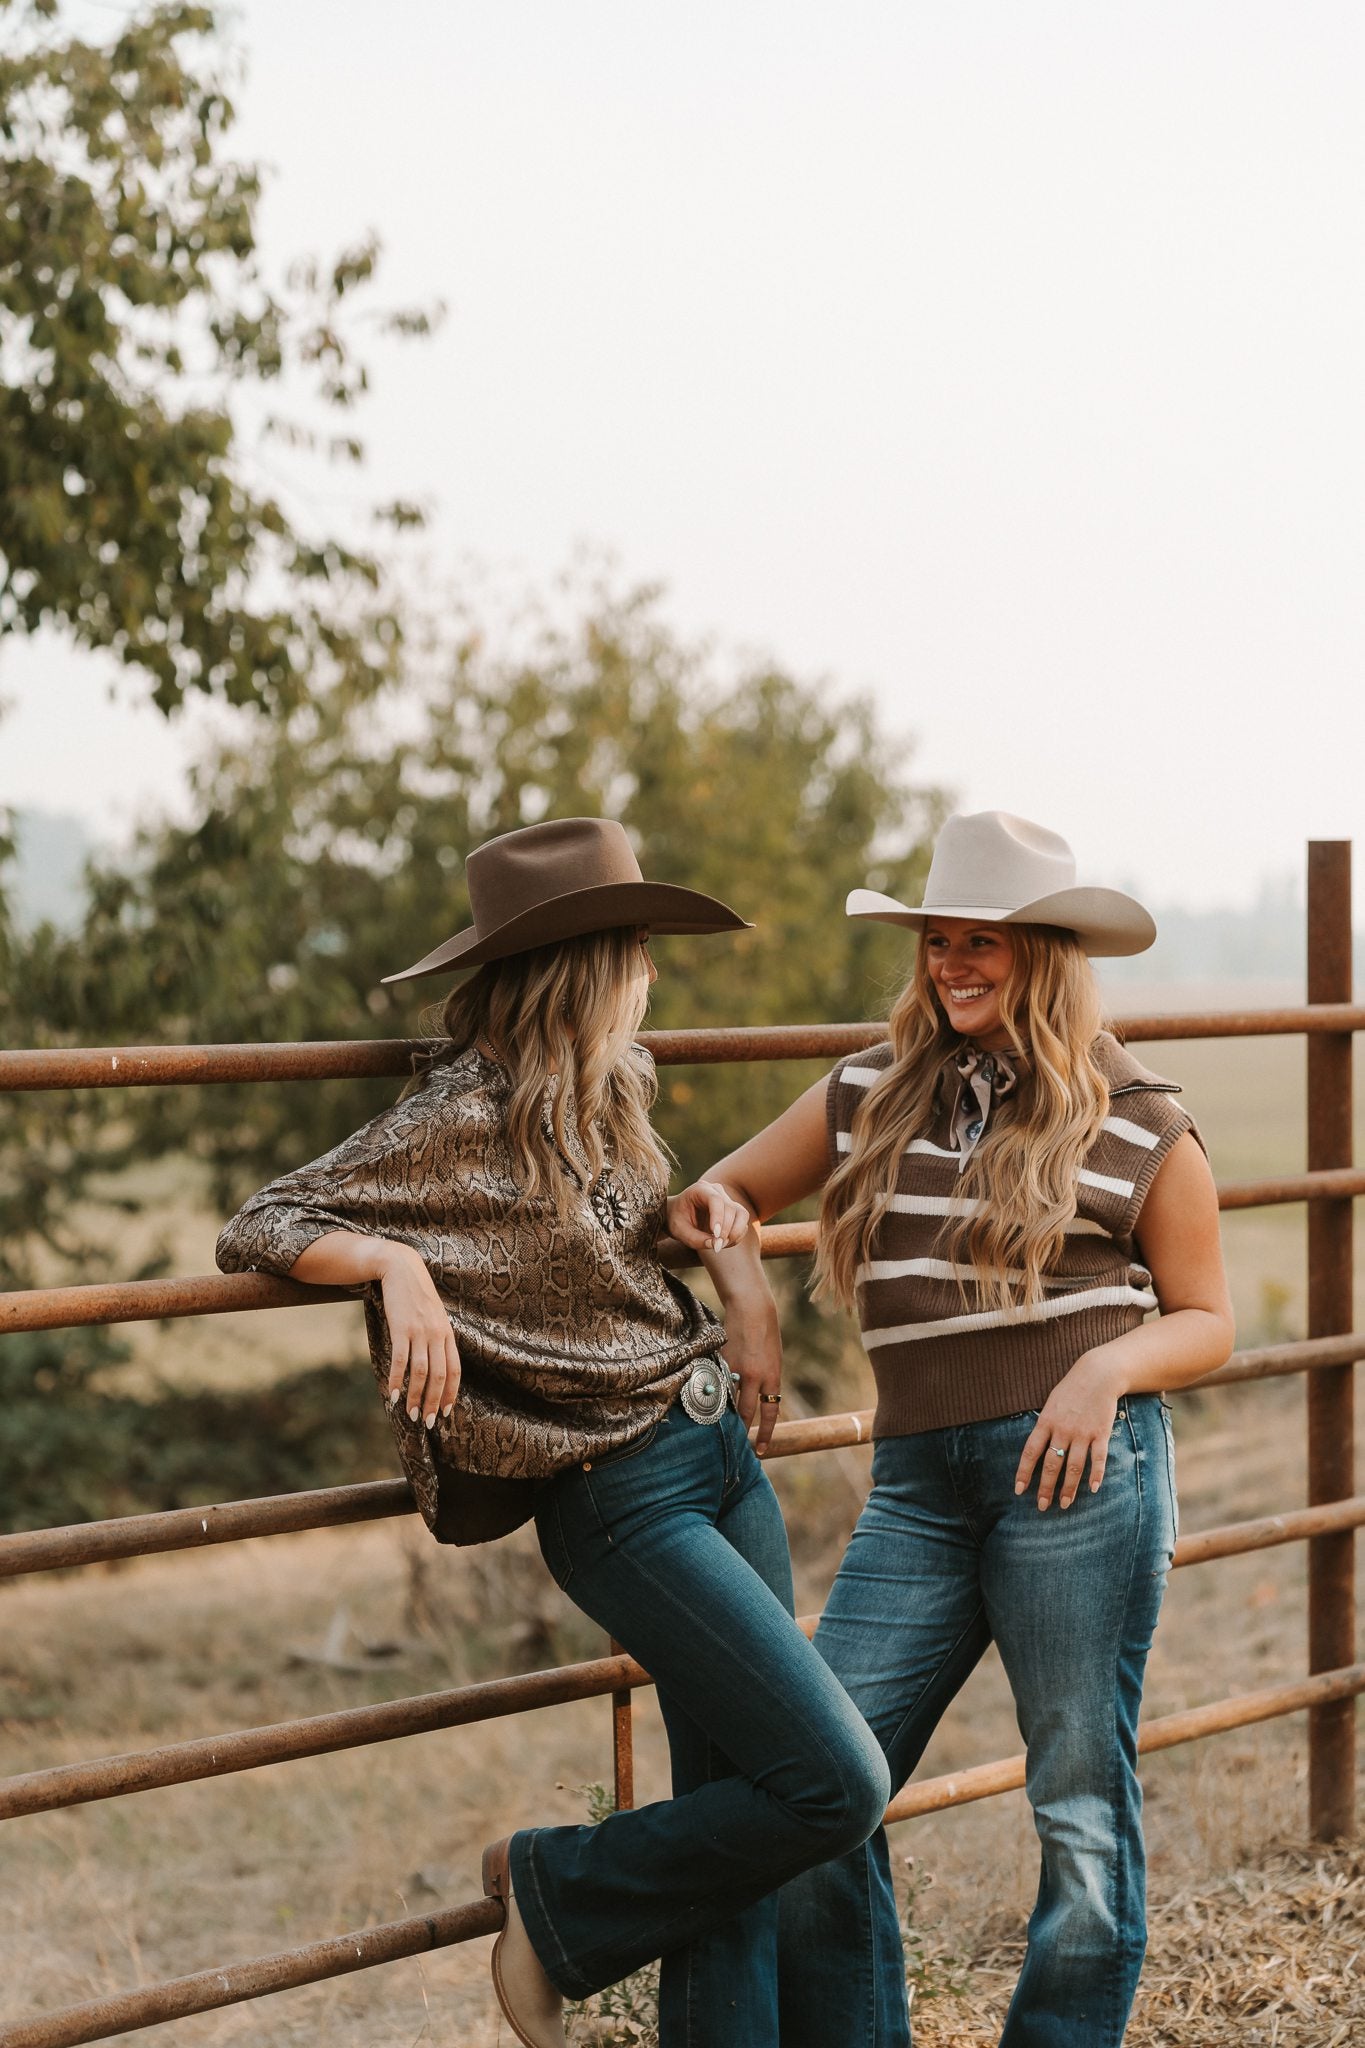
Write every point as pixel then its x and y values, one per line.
pixel 1256 1937
pixel 109 1896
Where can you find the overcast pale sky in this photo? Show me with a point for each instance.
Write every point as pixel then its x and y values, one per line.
pixel 1002 360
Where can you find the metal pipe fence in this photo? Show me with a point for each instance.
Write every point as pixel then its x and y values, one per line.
pixel 147 1066
pixel 1327 1524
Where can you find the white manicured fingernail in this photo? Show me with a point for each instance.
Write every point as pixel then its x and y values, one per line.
pixel 450 1410
pixel 393 1397
pixel 431 1422
pixel 412 1415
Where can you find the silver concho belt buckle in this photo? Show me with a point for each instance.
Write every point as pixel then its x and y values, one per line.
pixel 706 1392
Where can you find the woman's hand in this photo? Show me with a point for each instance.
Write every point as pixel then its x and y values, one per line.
pixel 1178 1240
pixel 1076 1419
pixel 753 1349
pixel 710 1219
pixel 422 1342
pixel 707 1218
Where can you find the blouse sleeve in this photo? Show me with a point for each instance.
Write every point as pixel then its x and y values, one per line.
pixel 377 1183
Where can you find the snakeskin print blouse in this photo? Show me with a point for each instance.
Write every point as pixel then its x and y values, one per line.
pixel 573 1337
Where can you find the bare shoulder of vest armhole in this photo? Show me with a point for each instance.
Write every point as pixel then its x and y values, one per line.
pixel 1192 1128
pixel 832 1085
pixel 1173 1127
pixel 877 1055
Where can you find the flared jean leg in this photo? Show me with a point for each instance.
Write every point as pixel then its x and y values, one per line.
pixel 903 1628
pixel 1074 1644
pixel 724 1984
pixel 638 1545
pixel 946 1556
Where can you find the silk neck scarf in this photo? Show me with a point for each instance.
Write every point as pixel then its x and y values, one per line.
pixel 982 1080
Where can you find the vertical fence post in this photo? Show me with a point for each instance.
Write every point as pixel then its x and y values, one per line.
pixel 622 1744
pixel 1331 1393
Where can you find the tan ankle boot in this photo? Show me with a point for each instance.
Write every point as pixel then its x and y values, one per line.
pixel 531 2005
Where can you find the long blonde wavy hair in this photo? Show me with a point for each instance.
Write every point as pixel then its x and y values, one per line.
pixel 1021 1179
pixel 563 1018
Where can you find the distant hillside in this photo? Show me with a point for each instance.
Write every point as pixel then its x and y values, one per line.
pixel 1265 943
pixel 45 884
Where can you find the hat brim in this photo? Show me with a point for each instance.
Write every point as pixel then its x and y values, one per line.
pixel 663 906
pixel 1108 924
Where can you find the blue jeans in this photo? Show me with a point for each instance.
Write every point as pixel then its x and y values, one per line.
pixel 676 1546
pixel 945 1559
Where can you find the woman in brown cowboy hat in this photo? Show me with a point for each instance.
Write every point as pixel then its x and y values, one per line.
pixel 503 1220
pixel 1007 1193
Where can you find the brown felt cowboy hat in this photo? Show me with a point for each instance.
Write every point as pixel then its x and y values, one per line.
pixel 561 880
pixel 993 868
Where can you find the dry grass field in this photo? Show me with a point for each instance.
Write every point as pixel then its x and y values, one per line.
pixel 1255 1938
pixel 122 1658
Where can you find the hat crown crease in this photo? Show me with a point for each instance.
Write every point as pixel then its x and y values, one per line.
pixel 991 867
pixel 991 858
pixel 512 875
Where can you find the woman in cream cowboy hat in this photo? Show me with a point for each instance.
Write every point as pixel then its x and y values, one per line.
pixel 1007 1193
pixel 503 1219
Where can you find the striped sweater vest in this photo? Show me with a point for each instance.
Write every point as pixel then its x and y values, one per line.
pixel 940 1359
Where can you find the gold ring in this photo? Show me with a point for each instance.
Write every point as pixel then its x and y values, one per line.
pixel 774 1398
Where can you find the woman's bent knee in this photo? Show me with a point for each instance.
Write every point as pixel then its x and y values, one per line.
pixel 844 1802
pixel 868 1795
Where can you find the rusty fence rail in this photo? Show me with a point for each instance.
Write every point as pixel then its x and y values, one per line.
pixel 213 1294
pixel 1327 1524
pixel 249 1749
pixel 148 1066
pixel 79 1543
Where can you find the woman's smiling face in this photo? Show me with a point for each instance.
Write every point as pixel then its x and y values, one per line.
pixel 969 965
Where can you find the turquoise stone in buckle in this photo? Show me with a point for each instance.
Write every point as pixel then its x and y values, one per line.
pixel 706 1392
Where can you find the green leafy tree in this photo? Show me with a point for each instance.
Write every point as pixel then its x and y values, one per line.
pixel 328 850
pixel 48 1145
pixel 133 320
pixel 134 323
pixel 329 835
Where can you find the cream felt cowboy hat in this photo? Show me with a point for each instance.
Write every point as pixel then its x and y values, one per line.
pixel 561 880
pixel 997 869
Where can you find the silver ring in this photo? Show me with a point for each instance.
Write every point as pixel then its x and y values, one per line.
pixel 1058 1451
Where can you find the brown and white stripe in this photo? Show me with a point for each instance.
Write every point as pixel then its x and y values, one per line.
pixel 937 1359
